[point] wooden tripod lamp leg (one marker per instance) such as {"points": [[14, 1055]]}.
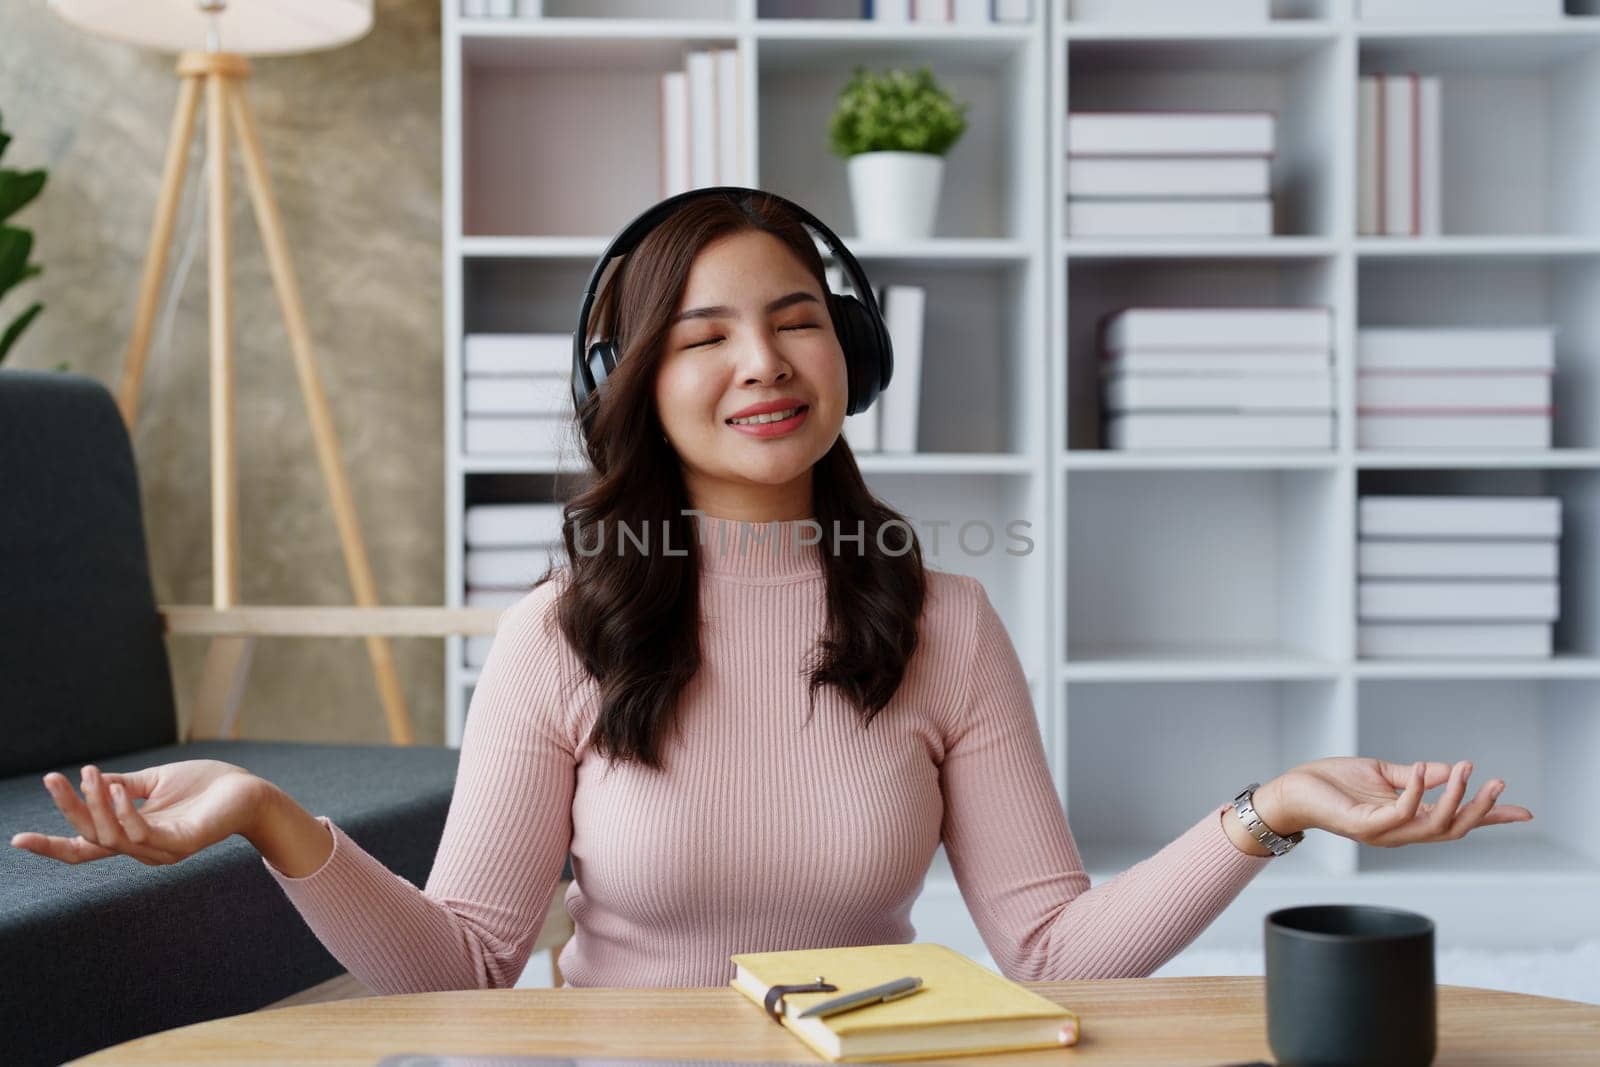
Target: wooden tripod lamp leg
{"points": [[327, 441], [224, 477], [155, 257]]}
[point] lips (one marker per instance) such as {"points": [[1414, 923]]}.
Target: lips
{"points": [[797, 409], [766, 407], [773, 429]]}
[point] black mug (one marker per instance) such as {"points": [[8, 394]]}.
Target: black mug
{"points": [[1350, 985]]}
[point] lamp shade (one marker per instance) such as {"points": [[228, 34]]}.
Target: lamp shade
{"points": [[244, 27]]}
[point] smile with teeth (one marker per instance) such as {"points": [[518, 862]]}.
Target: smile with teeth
{"points": [[772, 416]]}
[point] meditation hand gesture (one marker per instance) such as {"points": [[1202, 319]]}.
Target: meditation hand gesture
{"points": [[188, 806], [1356, 797]]}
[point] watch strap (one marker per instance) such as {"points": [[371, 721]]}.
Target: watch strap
{"points": [[1244, 807]]}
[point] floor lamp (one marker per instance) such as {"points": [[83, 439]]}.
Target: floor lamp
{"points": [[228, 35]]}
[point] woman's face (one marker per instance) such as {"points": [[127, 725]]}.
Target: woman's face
{"points": [[752, 331]]}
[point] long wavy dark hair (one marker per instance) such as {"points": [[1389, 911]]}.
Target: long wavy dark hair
{"points": [[633, 617]]}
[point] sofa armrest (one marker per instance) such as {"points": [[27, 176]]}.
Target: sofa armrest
{"points": [[326, 621]]}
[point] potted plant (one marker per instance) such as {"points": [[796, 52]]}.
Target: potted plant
{"points": [[893, 129], [16, 189]]}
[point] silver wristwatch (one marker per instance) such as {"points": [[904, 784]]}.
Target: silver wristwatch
{"points": [[1258, 829]]}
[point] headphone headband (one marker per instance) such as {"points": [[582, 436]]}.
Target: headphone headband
{"points": [[631, 235]]}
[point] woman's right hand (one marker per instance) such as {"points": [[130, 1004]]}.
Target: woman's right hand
{"points": [[188, 806]]}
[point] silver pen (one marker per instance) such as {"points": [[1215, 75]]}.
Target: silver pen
{"points": [[894, 990]]}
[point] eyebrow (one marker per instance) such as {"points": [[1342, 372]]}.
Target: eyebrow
{"points": [[722, 310]]}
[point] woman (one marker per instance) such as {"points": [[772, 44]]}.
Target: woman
{"points": [[746, 742]]}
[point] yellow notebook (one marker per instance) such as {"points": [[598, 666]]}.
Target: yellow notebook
{"points": [[962, 1007]]}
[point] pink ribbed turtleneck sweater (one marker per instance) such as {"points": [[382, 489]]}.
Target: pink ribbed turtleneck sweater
{"points": [[763, 831]]}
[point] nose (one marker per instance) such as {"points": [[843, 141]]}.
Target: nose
{"points": [[764, 362]]}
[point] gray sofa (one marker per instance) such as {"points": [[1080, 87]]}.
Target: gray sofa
{"points": [[103, 952]]}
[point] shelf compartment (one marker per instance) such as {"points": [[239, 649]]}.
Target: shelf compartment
{"points": [[991, 175], [1096, 288], [1292, 76], [1216, 738], [1560, 292], [597, 98], [1577, 630], [1540, 736], [1518, 130], [507, 295], [1222, 564], [980, 358]]}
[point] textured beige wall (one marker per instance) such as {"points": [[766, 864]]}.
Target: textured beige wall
{"points": [[353, 143]]}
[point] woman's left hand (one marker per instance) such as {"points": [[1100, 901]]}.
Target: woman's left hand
{"points": [[1355, 797]]}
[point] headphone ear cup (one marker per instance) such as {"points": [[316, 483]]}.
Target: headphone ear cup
{"points": [[602, 360], [859, 340]]}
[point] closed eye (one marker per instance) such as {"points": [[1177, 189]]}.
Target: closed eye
{"points": [[714, 340]]}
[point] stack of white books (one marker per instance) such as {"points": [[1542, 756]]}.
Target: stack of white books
{"points": [[1399, 156], [508, 547], [1457, 576], [1171, 11], [1170, 174], [1454, 388], [1247, 378], [517, 394], [1460, 9], [890, 424], [702, 124]]}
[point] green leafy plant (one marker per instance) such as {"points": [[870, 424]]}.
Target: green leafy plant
{"points": [[16, 189], [896, 111]]}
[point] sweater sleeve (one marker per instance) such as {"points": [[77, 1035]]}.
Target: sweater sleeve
{"points": [[1018, 867], [505, 839]]}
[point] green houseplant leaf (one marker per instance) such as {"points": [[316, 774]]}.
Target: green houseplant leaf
{"points": [[14, 331], [17, 189], [896, 111]]}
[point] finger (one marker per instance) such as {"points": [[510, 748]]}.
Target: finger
{"points": [[1476, 811], [1444, 814], [107, 831], [71, 806], [138, 784], [1405, 806], [1435, 818], [137, 830], [1399, 774], [65, 849], [1504, 813]]}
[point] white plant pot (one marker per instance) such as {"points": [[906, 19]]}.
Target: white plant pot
{"points": [[895, 194]]}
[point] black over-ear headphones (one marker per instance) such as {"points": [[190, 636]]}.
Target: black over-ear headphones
{"points": [[863, 336]]}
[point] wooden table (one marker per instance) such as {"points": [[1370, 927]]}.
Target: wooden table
{"points": [[1166, 1021]]}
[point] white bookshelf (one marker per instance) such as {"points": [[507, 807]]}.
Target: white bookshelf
{"points": [[1187, 619]]}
